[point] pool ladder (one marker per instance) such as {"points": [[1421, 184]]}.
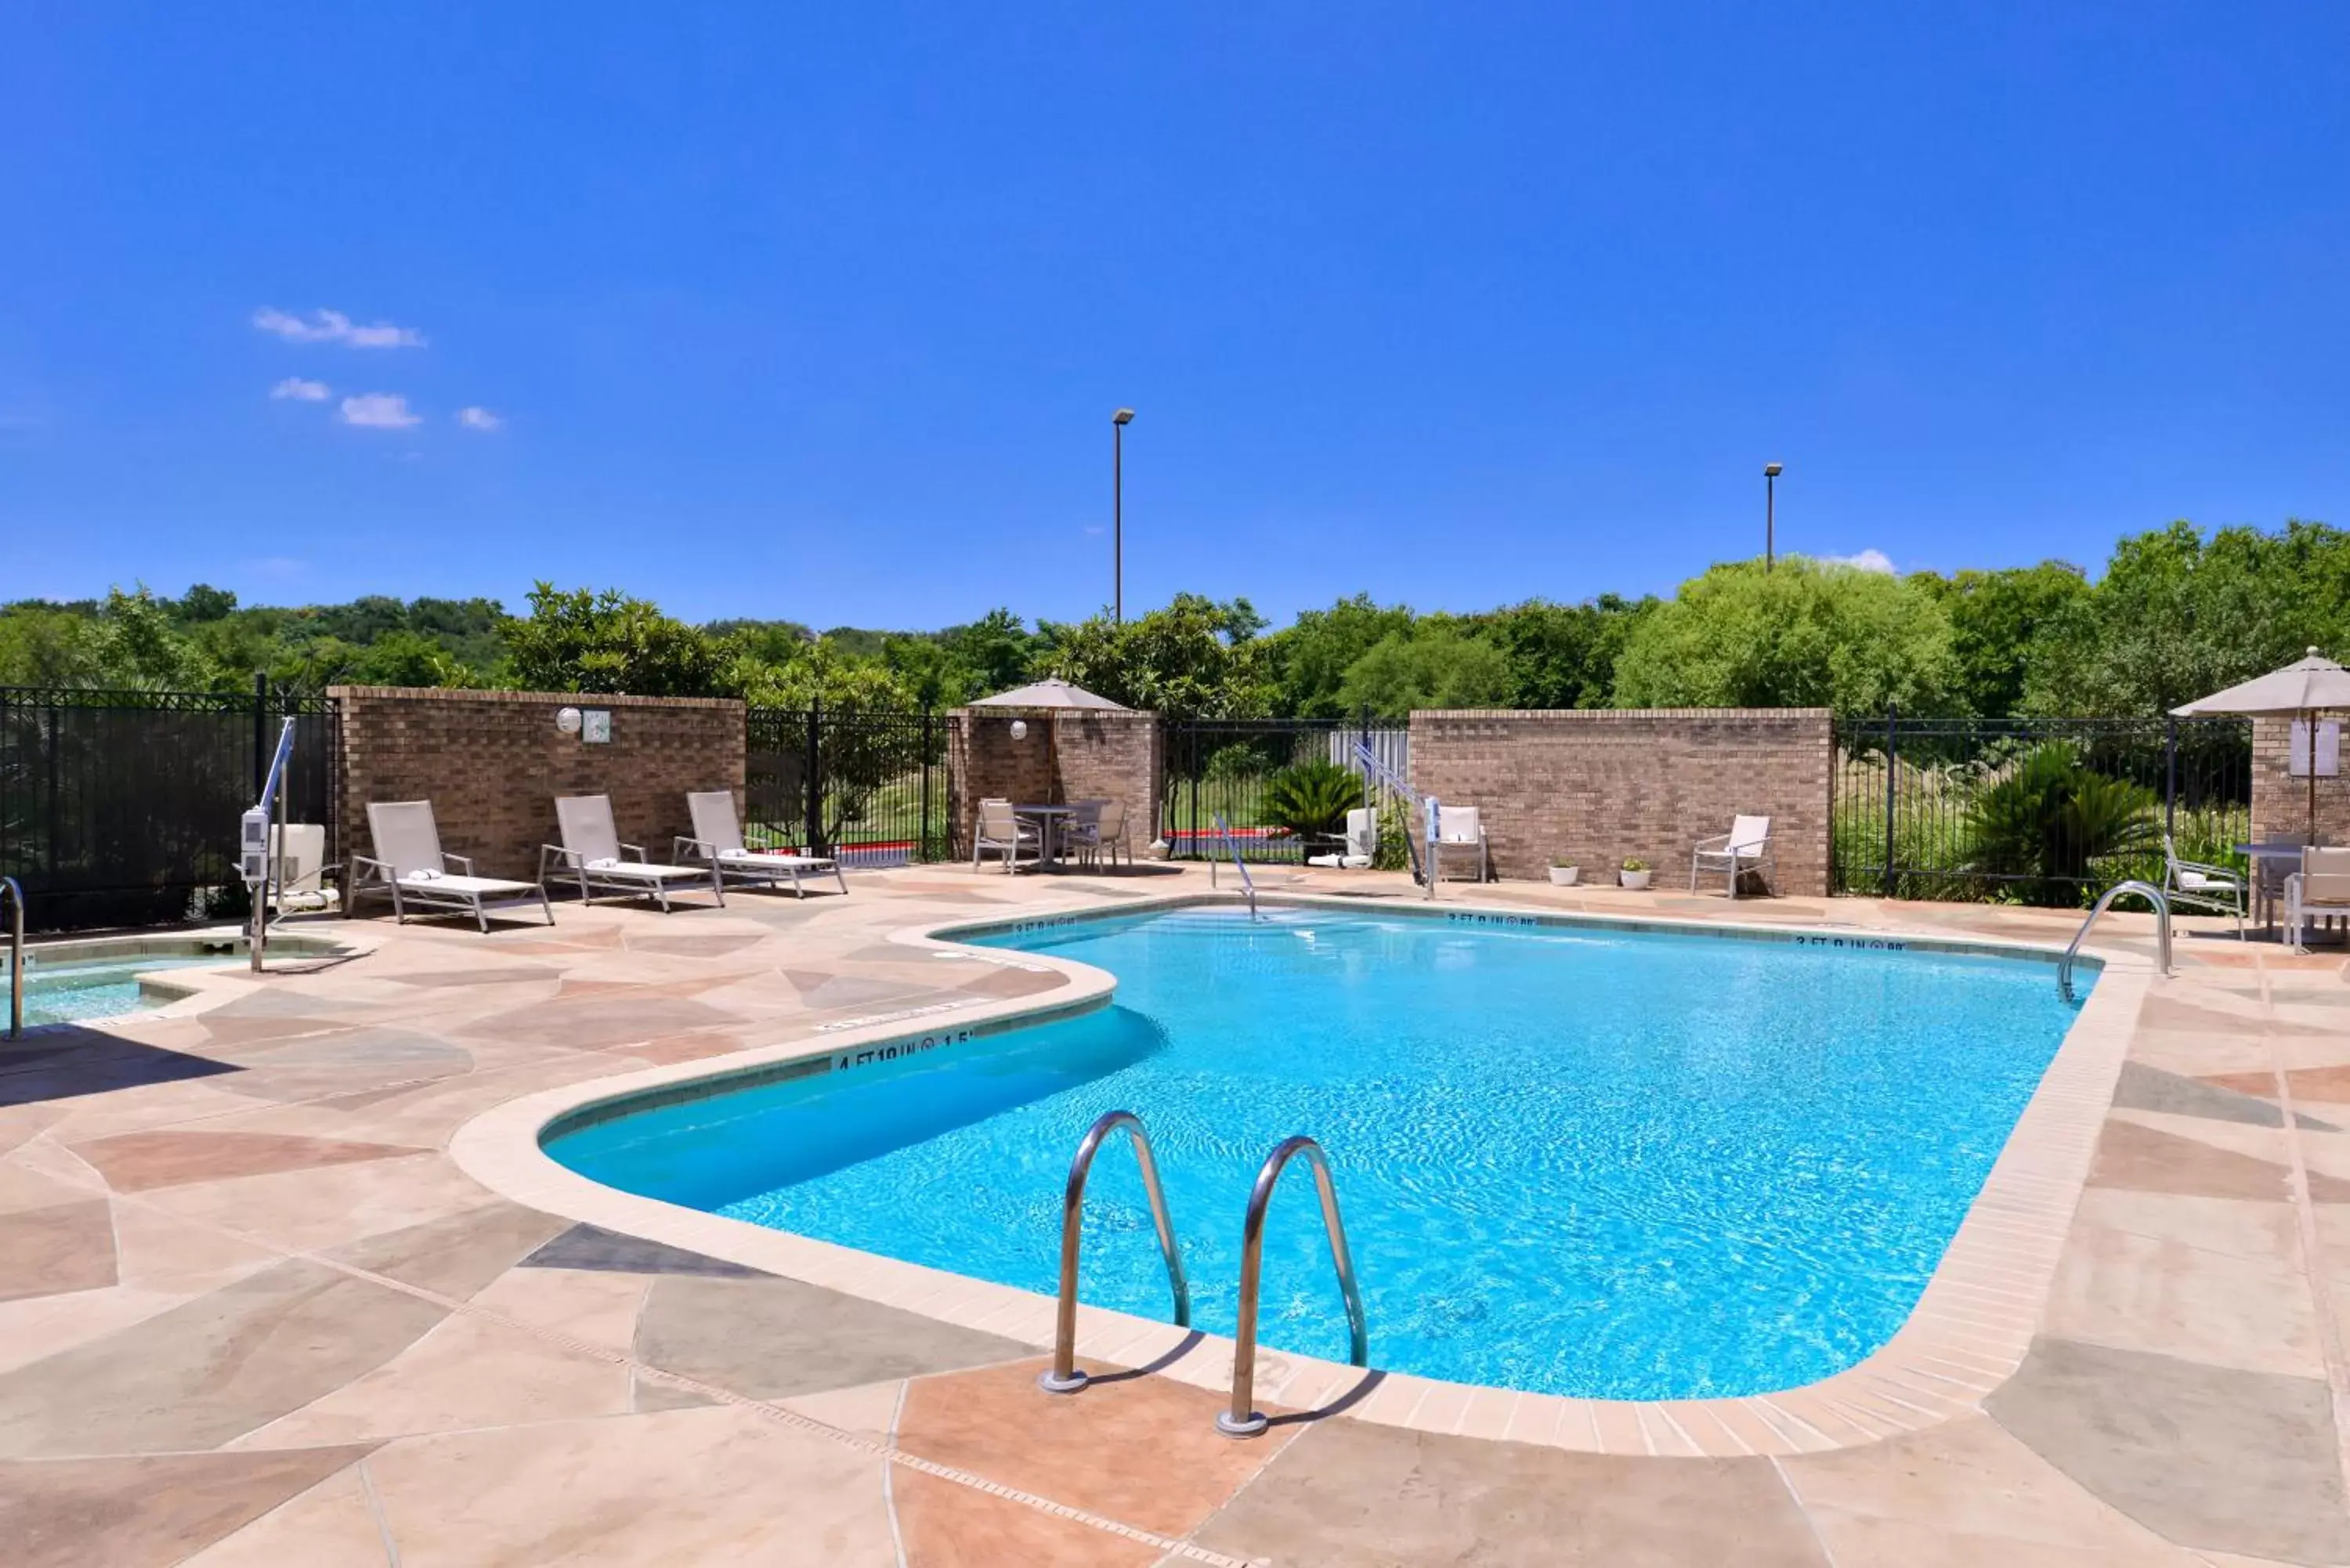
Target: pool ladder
{"points": [[1248, 883], [2147, 890], [1242, 1419], [14, 895]]}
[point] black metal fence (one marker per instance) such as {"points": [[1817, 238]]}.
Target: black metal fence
{"points": [[869, 786], [1226, 766], [2033, 811], [120, 808]]}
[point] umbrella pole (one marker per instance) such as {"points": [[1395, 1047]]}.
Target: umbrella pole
{"points": [[2308, 727]]}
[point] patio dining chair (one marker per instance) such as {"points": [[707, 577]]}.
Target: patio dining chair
{"points": [[1081, 833], [1744, 849], [592, 854], [2320, 890], [717, 842], [2186, 882], [999, 830]]}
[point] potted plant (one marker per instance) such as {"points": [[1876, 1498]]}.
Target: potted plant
{"points": [[1562, 871], [1634, 874]]}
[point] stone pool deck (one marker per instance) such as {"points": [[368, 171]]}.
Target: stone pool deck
{"points": [[252, 1311]]}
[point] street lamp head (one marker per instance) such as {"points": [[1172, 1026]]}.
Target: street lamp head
{"points": [[1772, 470], [1123, 416]]}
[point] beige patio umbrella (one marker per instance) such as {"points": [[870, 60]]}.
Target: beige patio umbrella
{"points": [[2302, 690], [1055, 692]]}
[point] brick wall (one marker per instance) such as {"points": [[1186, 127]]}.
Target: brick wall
{"points": [[1598, 785], [492, 763], [1067, 754], [2281, 800]]}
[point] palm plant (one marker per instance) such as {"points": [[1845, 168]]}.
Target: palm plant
{"points": [[2044, 824], [1311, 799]]}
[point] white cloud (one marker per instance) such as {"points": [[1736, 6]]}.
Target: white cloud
{"points": [[479, 419], [1864, 561], [380, 412], [300, 390], [334, 326]]}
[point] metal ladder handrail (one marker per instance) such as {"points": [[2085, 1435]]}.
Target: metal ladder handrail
{"points": [[1063, 1377], [1248, 883], [2147, 890], [1368, 761], [1243, 1420], [15, 898]]}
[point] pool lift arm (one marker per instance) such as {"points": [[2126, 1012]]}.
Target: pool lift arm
{"points": [[1426, 806], [255, 865]]}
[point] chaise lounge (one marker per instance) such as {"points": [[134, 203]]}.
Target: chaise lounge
{"points": [[592, 854], [717, 842], [410, 867]]}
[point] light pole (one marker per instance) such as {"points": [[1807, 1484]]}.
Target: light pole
{"points": [[1771, 472], [1118, 424]]}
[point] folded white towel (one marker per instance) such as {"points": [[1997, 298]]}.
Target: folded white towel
{"points": [[424, 876], [602, 863]]}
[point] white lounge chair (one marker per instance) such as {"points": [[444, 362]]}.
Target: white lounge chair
{"points": [[1459, 827], [1362, 844], [717, 841], [411, 868], [1745, 847], [2201, 887], [2321, 887], [592, 854], [999, 830]]}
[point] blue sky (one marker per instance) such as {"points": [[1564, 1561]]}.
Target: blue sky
{"points": [[821, 312]]}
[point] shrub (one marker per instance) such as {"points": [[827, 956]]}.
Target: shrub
{"points": [[1312, 799], [2043, 825]]}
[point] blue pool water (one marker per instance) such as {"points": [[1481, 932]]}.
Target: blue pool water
{"points": [[1589, 1162], [70, 992]]}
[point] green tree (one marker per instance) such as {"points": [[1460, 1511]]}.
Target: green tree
{"points": [[2176, 617], [1804, 635], [1194, 659], [41, 645], [576, 641], [1996, 619], [1436, 665], [405, 658], [1563, 656], [1312, 655]]}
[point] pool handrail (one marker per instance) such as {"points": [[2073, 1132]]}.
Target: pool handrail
{"points": [[1248, 883], [1062, 1377], [2147, 890], [1243, 1420], [14, 895]]}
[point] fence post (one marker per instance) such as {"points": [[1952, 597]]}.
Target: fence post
{"points": [[814, 823], [1892, 773], [2169, 775], [923, 850], [260, 731]]}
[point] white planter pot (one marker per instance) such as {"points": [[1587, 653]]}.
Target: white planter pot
{"points": [[1564, 876], [1636, 880], [1160, 849]]}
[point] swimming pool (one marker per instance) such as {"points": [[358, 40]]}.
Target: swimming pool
{"points": [[98, 988], [1580, 1160]]}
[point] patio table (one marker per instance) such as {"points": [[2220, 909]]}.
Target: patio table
{"points": [[1047, 819]]}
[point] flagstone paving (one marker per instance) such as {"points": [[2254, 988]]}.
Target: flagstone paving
{"points": [[251, 1313]]}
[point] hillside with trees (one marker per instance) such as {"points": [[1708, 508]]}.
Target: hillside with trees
{"points": [[2175, 612]]}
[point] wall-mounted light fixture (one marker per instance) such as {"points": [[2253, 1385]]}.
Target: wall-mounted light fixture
{"points": [[1019, 729], [567, 720]]}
